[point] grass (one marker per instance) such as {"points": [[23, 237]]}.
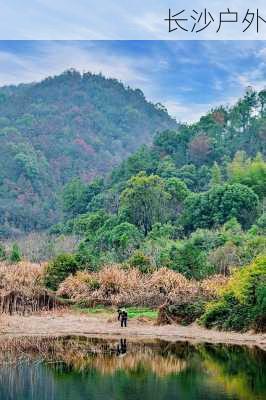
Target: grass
{"points": [[133, 312], [142, 312]]}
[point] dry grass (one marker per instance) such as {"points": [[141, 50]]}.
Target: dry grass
{"points": [[115, 286], [22, 277], [211, 287], [21, 288]]}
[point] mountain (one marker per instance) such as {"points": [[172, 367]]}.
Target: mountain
{"points": [[71, 125]]}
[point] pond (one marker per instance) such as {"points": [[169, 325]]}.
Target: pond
{"points": [[75, 368]]}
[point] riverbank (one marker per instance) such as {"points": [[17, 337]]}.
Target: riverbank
{"points": [[60, 323]]}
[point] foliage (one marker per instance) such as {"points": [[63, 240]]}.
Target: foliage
{"points": [[125, 238], [15, 255], [143, 201], [141, 261], [2, 252], [218, 205], [58, 269], [242, 304], [251, 173], [187, 259], [66, 129]]}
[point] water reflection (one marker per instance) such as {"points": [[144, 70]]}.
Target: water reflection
{"points": [[121, 348], [96, 369]]}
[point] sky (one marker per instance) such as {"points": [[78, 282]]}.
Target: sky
{"points": [[188, 77]]}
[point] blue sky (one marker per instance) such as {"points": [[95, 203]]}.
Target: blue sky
{"points": [[189, 77]]}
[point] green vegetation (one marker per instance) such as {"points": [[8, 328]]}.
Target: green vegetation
{"points": [[58, 269], [133, 312], [193, 201], [15, 255], [243, 302], [72, 126]]}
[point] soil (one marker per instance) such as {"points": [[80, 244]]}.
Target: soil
{"points": [[59, 323]]}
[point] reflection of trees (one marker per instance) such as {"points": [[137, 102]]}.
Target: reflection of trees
{"points": [[83, 354], [240, 371]]}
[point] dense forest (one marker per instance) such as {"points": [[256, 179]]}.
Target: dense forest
{"points": [[68, 126], [187, 211]]}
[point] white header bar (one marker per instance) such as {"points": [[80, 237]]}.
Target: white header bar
{"points": [[133, 19]]}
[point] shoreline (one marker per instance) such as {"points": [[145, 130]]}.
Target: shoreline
{"points": [[78, 324]]}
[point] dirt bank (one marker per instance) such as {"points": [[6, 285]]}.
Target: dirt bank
{"points": [[72, 323]]}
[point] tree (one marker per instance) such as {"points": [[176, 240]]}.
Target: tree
{"points": [[216, 178], [251, 173], [59, 269], [15, 255], [74, 198], [2, 252], [188, 259], [125, 238], [143, 201], [218, 205], [178, 191], [200, 149]]}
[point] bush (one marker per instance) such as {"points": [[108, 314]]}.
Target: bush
{"points": [[15, 255], [242, 304], [187, 259], [2, 252], [141, 261], [58, 270], [183, 313]]}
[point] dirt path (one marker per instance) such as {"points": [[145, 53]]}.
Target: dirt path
{"points": [[71, 323]]}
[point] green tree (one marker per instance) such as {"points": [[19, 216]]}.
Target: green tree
{"points": [[216, 178], [143, 201], [188, 259], [125, 238], [2, 252], [59, 269], [218, 205], [251, 173], [15, 255], [74, 199]]}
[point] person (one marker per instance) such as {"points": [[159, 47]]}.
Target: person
{"points": [[123, 318], [119, 311]]}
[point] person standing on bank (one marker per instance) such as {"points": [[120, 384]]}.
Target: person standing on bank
{"points": [[123, 318]]}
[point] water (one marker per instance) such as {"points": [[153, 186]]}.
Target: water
{"points": [[95, 369]]}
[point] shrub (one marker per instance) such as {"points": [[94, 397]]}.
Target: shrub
{"points": [[58, 269], [187, 259], [15, 255], [2, 252], [184, 313], [242, 304], [140, 261]]}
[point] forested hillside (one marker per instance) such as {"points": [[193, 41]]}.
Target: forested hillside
{"points": [[67, 126]]}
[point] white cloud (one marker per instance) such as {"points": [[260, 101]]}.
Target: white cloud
{"points": [[55, 57], [192, 112]]}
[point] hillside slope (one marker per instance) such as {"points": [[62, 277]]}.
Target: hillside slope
{"points": [[66, 126]]}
